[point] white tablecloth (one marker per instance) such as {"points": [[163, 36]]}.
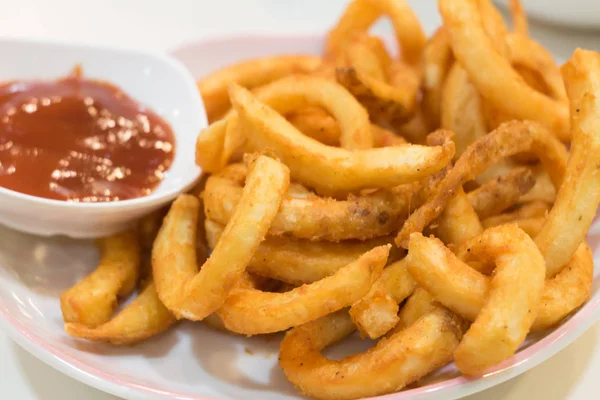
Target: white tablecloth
{"points": [[164, 24]]}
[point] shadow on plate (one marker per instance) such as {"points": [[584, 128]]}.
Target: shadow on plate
{"points": [[240, 361], [46, 266], [153, 348]]}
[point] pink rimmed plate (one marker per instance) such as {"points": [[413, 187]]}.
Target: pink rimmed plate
{"points": [[192, 361]]}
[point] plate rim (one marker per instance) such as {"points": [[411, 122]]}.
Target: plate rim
{"points": [[571, 329], [453, 388]]}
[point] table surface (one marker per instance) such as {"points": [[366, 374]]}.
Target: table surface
{"points": [[163, 25]]}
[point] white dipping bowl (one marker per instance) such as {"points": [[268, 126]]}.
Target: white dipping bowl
{"points": [[154, 80]]}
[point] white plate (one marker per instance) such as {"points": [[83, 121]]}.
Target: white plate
{"points": [[192, 361]]}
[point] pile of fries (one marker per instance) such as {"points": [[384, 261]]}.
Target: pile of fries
{"points": [[427, 200]]}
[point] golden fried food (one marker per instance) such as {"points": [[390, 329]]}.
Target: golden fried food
{"points": [[493, 74], [470, 150], [505, 191], [461, 109], [464, 290], [418, 304], [361, 14], [144, 317], [567, 290], [250, 74], [510, 138], [492, 23], [251, 311], [194, 294], [437, 61], [528, 55], [222, 139], [313, 217], [214, 322], [148, 228], [377, 312], [93, 300], [417, 128], [542, 190], [512, 300], [393, 363], [332, 170], [529, 216], [318, 124], [537, 68], [519, 17], [297, 261], [459, 221], [388, 89], [578, 197]]}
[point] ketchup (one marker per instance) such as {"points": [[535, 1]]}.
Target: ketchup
{"points": [[80, 140]]}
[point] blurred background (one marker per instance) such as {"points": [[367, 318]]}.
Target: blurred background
{"points": [[167, 25], [162, 24]]}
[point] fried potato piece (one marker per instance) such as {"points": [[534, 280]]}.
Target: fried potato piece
{"points": [[294, 92], [145, 317], [316, 123], [464, 290], [377, 312], [418, 304], [93, 300], [319, 125], [392, 364], [383, 137], [526, 54], [387, 89], [498, 195], [416, 129], [251, 311], [361, 14], [567, 290], [542, 190], [461, 109], [578, 198], [450, 281], [437, 61], [313, 217], [510, 138], [493, 74], [148, 228], [459, 221], [530, 217], [194, 294], [532, 226], [297, 261], [497, 170], [537, 68], [332, 170], [493, 24], [221, 140], [250, 74], [214, 322], [512, 300], [518, 17]]}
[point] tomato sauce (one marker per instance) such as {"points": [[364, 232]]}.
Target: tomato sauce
{"points": [[80, 140]]}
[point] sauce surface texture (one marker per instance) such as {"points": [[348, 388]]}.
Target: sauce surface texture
{"points": [[80, 140]]}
